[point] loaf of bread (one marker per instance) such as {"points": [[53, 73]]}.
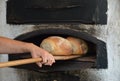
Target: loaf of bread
{"points": [[79, 46], [57, 45]]}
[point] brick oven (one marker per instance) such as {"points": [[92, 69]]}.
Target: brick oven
{"points": [[95, 58], [60, 11]]}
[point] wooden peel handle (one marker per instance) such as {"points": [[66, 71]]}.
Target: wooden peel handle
{"points": [[20, 62], [34, 60]]}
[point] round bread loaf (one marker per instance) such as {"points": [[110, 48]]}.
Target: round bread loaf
{"points": [[79, 46], [57, 45]]}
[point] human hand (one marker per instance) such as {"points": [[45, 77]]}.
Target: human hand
{"points": [[36, 52]]}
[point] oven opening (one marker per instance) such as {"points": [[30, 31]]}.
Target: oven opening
{"points": [[94, 58]]}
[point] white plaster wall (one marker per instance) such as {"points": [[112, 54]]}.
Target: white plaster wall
{"points": [[108, 33]]}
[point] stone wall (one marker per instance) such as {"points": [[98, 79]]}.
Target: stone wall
{"points": [[108, 33]]}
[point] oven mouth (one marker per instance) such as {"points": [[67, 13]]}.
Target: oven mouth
{"points": [[94, 58]]}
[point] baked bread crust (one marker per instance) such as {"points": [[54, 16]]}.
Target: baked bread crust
{"points": [[79, 46], [57, 45]]}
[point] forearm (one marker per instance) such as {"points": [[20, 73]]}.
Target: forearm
{"points": [[12, 46], [9, 46]]}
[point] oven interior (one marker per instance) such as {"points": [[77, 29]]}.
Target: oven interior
{"points": [[94, 58]]}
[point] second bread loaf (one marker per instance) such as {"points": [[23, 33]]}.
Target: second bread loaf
{"points": [[79, 46]]}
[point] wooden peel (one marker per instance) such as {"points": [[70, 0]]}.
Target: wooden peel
{"points": [[34, 60]]}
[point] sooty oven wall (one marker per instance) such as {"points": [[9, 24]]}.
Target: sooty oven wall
{"points": [[106, 33], [67, 11], [14, 31], [56, 11]]}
